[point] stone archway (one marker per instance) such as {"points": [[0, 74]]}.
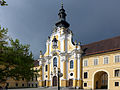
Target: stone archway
{"points": [[54, 81], [101, 80]]}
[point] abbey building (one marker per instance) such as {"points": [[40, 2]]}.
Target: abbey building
{"points": [[91, 66]]}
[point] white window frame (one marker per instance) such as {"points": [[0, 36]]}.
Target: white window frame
{"points": [[115, 58], [94, 61], [85, 63], [104, 62]]}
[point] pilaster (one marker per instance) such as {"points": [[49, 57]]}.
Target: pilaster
{"points": [[75, 70], [43, 74], [40, 79], [78, 71]]}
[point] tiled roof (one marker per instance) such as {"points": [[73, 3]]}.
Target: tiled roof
{"points": [[102, 46]]}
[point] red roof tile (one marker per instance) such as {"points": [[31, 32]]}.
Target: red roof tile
{"points": [[102, 46]]}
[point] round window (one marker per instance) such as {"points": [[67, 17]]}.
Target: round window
{"points": [[71, 74]]}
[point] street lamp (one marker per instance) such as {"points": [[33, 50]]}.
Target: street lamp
{"points": [[59, 75]]}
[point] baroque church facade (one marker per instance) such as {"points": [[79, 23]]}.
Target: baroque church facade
{"points": [[61, 54], [91, 66]]}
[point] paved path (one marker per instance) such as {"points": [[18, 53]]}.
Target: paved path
{"points": [[49, 89]]}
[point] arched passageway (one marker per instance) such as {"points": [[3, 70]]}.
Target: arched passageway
{"points": [[101, 80]]}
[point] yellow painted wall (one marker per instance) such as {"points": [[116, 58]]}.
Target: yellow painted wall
{"points": [[91, 69]]}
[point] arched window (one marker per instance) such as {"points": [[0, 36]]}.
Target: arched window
{"points": [[55, 62], [46, 67], [71, 64]]}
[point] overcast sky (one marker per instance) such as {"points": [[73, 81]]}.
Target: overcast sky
{"points": [[32, 21]]}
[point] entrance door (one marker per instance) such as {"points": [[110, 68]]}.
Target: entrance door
{"points": [[45, 83], [70, 82], [55, 81]]}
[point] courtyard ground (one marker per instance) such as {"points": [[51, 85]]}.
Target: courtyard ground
{"points": [[49, 89]]}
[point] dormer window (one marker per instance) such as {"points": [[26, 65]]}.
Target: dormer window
{"points": [[54, 42]]}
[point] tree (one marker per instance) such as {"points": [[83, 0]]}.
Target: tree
{"points": [[16, 60], [3, 37], [3, 3]]}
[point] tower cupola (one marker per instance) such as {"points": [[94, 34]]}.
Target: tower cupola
{"points": [[62, 18]]}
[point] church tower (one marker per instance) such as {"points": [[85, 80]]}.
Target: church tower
{"points": [[61, 54]]}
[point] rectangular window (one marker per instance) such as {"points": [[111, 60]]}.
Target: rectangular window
{"points": [[32, 78], [32, 85], [36, 85], [105, 60], [22, 85], [36, 77], [7, 84], [85, 84], [116, 83], [16, 84], [95, 61], [85, 75], [29, 85], [117, 73], [85, 63], [117, 58], [23, 79]]}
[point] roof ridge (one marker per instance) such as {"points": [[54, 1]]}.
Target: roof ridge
{"points": [[101, 40]]}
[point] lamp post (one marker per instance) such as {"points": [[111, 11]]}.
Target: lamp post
{"points": [[58, 80], [59, 75]]}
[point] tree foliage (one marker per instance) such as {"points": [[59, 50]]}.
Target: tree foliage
{"points": [[3, 3], [15, 59]]}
